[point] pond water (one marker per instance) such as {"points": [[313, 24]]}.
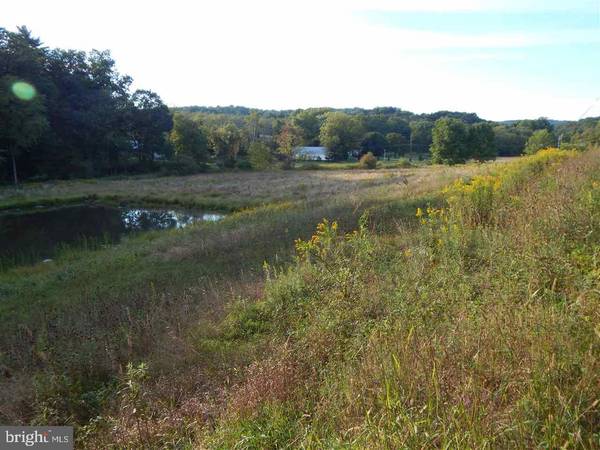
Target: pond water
{"points": [[35, 235]]}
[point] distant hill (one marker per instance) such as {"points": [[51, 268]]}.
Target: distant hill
{"points": [[233, 110], [553, 122]]}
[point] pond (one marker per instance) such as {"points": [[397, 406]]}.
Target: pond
{"points": [[36, 235]]}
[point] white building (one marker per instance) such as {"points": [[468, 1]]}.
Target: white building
{"points": [[310, 153]]}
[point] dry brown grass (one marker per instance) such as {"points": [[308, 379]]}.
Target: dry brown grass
{"points": [[236, 189]]}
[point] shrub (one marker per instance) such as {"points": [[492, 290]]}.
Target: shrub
{"points": [[538, 140], [368, 161], [243, 164], [260, 156], [182, 165], [400, 163]]}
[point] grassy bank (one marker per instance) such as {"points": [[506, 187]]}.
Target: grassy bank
{"points": [[69, 327], [471, 323], [476, 329], [452, 318]]}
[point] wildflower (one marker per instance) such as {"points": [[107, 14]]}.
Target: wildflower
{"points": [[419, 212]]}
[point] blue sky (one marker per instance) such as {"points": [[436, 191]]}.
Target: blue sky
{"points": [[502, 59]]}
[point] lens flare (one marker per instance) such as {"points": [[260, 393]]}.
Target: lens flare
{"points": [[23, 90]]}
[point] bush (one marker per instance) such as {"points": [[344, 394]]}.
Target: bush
{"points": [[183, 165], [538, 140], [309, 166], [400, 163], [368, 161], [260, 156], [243, 164]]}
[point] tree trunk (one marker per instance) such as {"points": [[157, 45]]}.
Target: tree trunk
{"points": [[14, 168]]}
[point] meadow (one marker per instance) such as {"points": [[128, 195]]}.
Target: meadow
{"points": [[71, 325], [432, 307], [227, 191]]}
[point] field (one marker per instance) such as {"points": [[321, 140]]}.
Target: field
{"points": [[225, 191], [452, 318], [122, 301]]}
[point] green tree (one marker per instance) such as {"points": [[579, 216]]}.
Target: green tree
{"points": [[373, 142], [188, 138], [541, 123], [481, 142], [226, 142], [260, 156], [398, 125], [591, 134], [309, 121], [152, 121], [22, 119], [421, 135], [340, 133], [450, 141], [538, 140], [252, 122], [288, 139], [397, 143], [509, 140]]}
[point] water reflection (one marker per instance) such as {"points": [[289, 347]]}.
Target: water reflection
{"points": [[34, 236], [144, 219]]}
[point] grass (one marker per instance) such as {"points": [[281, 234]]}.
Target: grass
{"points": [[463, 319], [69, 327], [401, 163], [224, 191], [476, 329]]}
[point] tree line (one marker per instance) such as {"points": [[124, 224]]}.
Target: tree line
{"points": [[68, 113]]}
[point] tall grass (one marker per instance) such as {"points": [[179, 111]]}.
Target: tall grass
{"points": [[477, 329], [462, 320], [69, 328]]}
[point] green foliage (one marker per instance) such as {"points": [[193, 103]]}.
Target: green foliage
{"points": [[288, 139], [510, 140], [188, 138], [309, 122], [226, 142], [368, 161], [450, 141], [135, 402], [22, 121], [466, 333], [541, 123], [95, 123], [340, 133], [260, 156], [590, 135], [396, 143], [481, 142], [540, 139], [375, 143], [151, 122], [421, 135]]}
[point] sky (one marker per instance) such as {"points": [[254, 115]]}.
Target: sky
{"points": [[502, 59]]}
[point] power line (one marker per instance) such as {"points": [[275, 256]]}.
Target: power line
{"points": [[589, 108]]}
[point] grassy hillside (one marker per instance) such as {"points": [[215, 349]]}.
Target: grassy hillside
{"points": [[464, 317], [68, 328], [479, 328]]}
